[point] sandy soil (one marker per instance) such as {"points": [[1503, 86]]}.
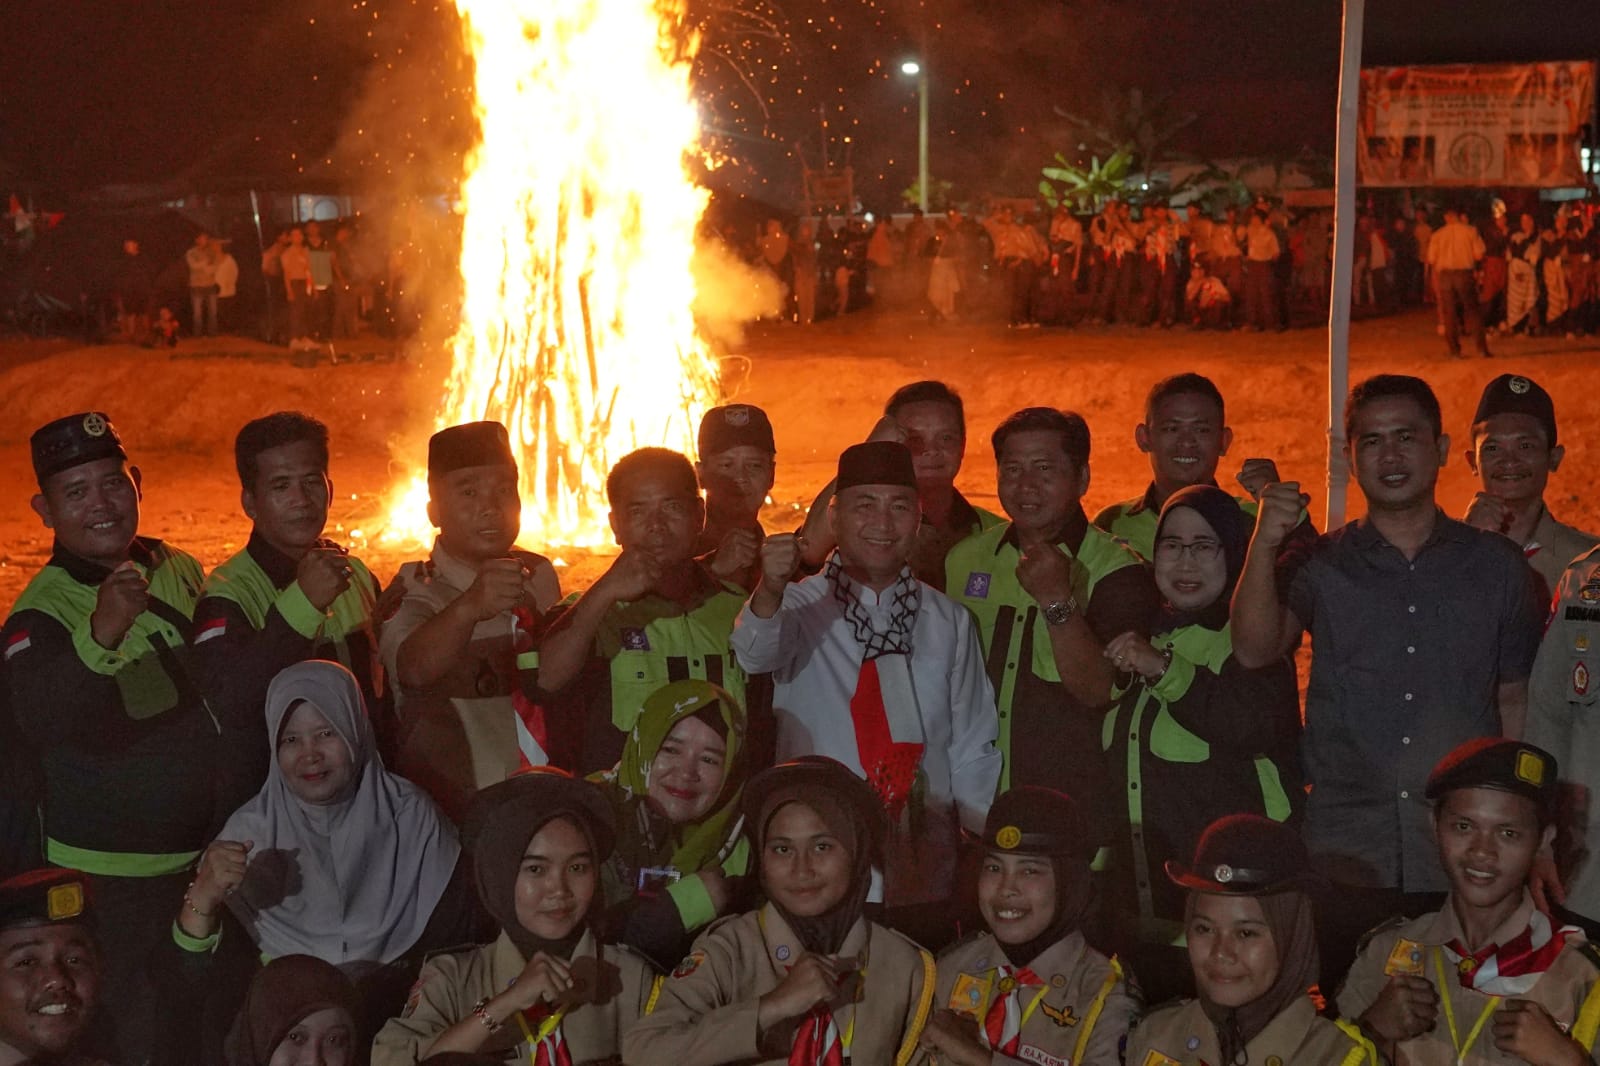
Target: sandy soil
{"points": [[823, 388]]}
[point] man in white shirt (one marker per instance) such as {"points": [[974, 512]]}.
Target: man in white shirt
{"points": [[883, 673]]}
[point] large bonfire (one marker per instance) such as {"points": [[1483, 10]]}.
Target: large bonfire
{"points": [[576, 327]]}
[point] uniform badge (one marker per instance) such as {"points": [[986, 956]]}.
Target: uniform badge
{"points": [[783, 953], [690, 964], [1580, 642], [1223, 873], [1530, 767], [1519, 385], [1590, 593], [737, 415], [64, 901], [1404, 958], [634, 639], [1156, 1058], [1008, 985], [1192, 1044], [1029, 1053], [1008, 837], [20, 642], [413, 999], [977, 586], [1062, 1016], [1058, 981], [94, 425], [1274, 1060], [970, 996], [1580, 678]]}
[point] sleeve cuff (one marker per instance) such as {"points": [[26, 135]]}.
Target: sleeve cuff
{"points": [[302, 617], [693, 902], [104, 661], [1176, 681], [195, 945]]}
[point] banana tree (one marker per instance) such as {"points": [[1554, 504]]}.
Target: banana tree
{"points": [[1086, 188]]}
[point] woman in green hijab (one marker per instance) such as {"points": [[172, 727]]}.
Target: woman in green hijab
{"points": [[681, 855]]}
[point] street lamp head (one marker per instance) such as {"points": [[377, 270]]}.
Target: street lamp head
{"points": [[911, 66]]}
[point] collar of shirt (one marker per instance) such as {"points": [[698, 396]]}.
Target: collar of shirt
{"points": [[1446, 927], [453, 571], [81, 570], [1365, 535], [279, 568], [963, 517], [784, 948], [1152, 500], [1070, 535]]}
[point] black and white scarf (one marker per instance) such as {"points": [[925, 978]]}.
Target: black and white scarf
{"points": [[896, 639]]}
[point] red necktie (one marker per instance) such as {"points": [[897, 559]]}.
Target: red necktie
{"points": [[890, 768], [552, 1050], [816, 1042]]}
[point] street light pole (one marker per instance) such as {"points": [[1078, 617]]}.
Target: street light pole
{"points": [[913, 67]]}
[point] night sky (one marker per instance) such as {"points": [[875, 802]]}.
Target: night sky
{"points": [[204, 92]]}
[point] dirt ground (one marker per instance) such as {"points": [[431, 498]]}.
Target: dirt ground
{"points": [[823, 387]]}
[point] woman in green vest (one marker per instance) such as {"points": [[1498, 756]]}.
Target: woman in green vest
{"points": [[1193, 735], [681, 854]]}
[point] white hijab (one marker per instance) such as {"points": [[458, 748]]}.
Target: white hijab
{"points": [[355, 880]]}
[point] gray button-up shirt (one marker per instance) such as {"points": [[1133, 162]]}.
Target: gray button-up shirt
{"points": [[1406, 660]]}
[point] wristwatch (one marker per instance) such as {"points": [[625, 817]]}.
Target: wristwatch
{"points": [[1059, 612]]}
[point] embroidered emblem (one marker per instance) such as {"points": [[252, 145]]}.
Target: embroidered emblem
{"points": [[1580, 677], [978, 586], [1274, 1060], [1058, 980], [1581, 642], [690, 964], [634, 639], [1008, 985], [1590, 592], [1156, 1058], [970, 995], [1008, 837], [94, 425], [64, 901], [1192, 1044], [737, 415], [1530, 767], [782, 954], [1062, 1016], [1518, 385], [1404, 958], [19, 642], [1029, 1053]]}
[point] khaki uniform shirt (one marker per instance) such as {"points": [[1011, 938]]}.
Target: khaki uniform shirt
{"points": [[452, 983], [1182, 1035], [1561, 989], [1554, 546], [706, 1014], [1564, 719], [1084, 1009], [459, 734]]}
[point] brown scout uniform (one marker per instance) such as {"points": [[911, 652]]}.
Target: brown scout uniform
{"points": [[1084, 1011], [1554, 547], [706, 1014], [1567, 989], [1182, 1034], [451, 983], [459, 734]]}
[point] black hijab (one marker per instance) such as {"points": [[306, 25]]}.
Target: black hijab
{"points": [[1288, 916], [825, 933], [1232, 528], [1073, 889]]}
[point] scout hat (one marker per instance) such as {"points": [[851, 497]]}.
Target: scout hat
{"points": [[472, 444], [1510, 394], [1499, 763], [72, 441], [44, 897], [878, 462], [735, 424], [1029, 820], [1245, 855]]}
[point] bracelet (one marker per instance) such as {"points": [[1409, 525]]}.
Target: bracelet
{"points": [[187, 902], [480, 1011], [1166, 664]]}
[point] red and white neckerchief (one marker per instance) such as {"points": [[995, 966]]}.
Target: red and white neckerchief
{"points": [[1002, 1026], [817, 1041], [533, 734], [1512, 968]]}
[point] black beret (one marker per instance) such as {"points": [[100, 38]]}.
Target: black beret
{"points": [[1245, 855], [43, 897], [72, 441], [1499, 763], [1030, 820], [737, 423], [472, 444], [878, 462], [1510, 394]]}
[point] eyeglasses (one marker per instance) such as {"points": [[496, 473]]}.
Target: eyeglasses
{"points": [[1171, 549]]}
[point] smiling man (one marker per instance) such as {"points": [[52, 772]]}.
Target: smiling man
{"points": [[876, 669], [49, 968], [290, 595], [465, 615], [1514, 451], [95, 657], [738, 461], [657, 615], [1423, 632]]}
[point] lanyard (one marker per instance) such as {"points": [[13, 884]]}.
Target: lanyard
{"points": [[1450, 1013], [537, 1037], [1032, 1006]]}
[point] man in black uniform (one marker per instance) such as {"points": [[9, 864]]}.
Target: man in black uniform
{"points": [[49, 968], [736, 468], [95, 656], [288, 596]]}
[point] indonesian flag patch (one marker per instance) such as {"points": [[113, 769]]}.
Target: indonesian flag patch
{"points": [[20, 641], [209, 630]]}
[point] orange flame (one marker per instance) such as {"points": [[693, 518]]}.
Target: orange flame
{"points": [[576, 326]]}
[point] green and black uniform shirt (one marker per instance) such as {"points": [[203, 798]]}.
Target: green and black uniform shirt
{"points": [[1210, 738], [1134, 522], [931, 550], [127, 743], [1047, 737], [253, 621], [640, 646]]}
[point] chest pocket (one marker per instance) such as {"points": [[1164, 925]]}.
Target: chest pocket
{"points": [[1170, 742]]}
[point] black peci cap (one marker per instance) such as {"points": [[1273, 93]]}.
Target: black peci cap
{"points": [[735, 424], [72, 441], [1029, 820], [46, 896], [878, 462], [1245, 855], [1511, 394], [472, 444], [1498, 763]]}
